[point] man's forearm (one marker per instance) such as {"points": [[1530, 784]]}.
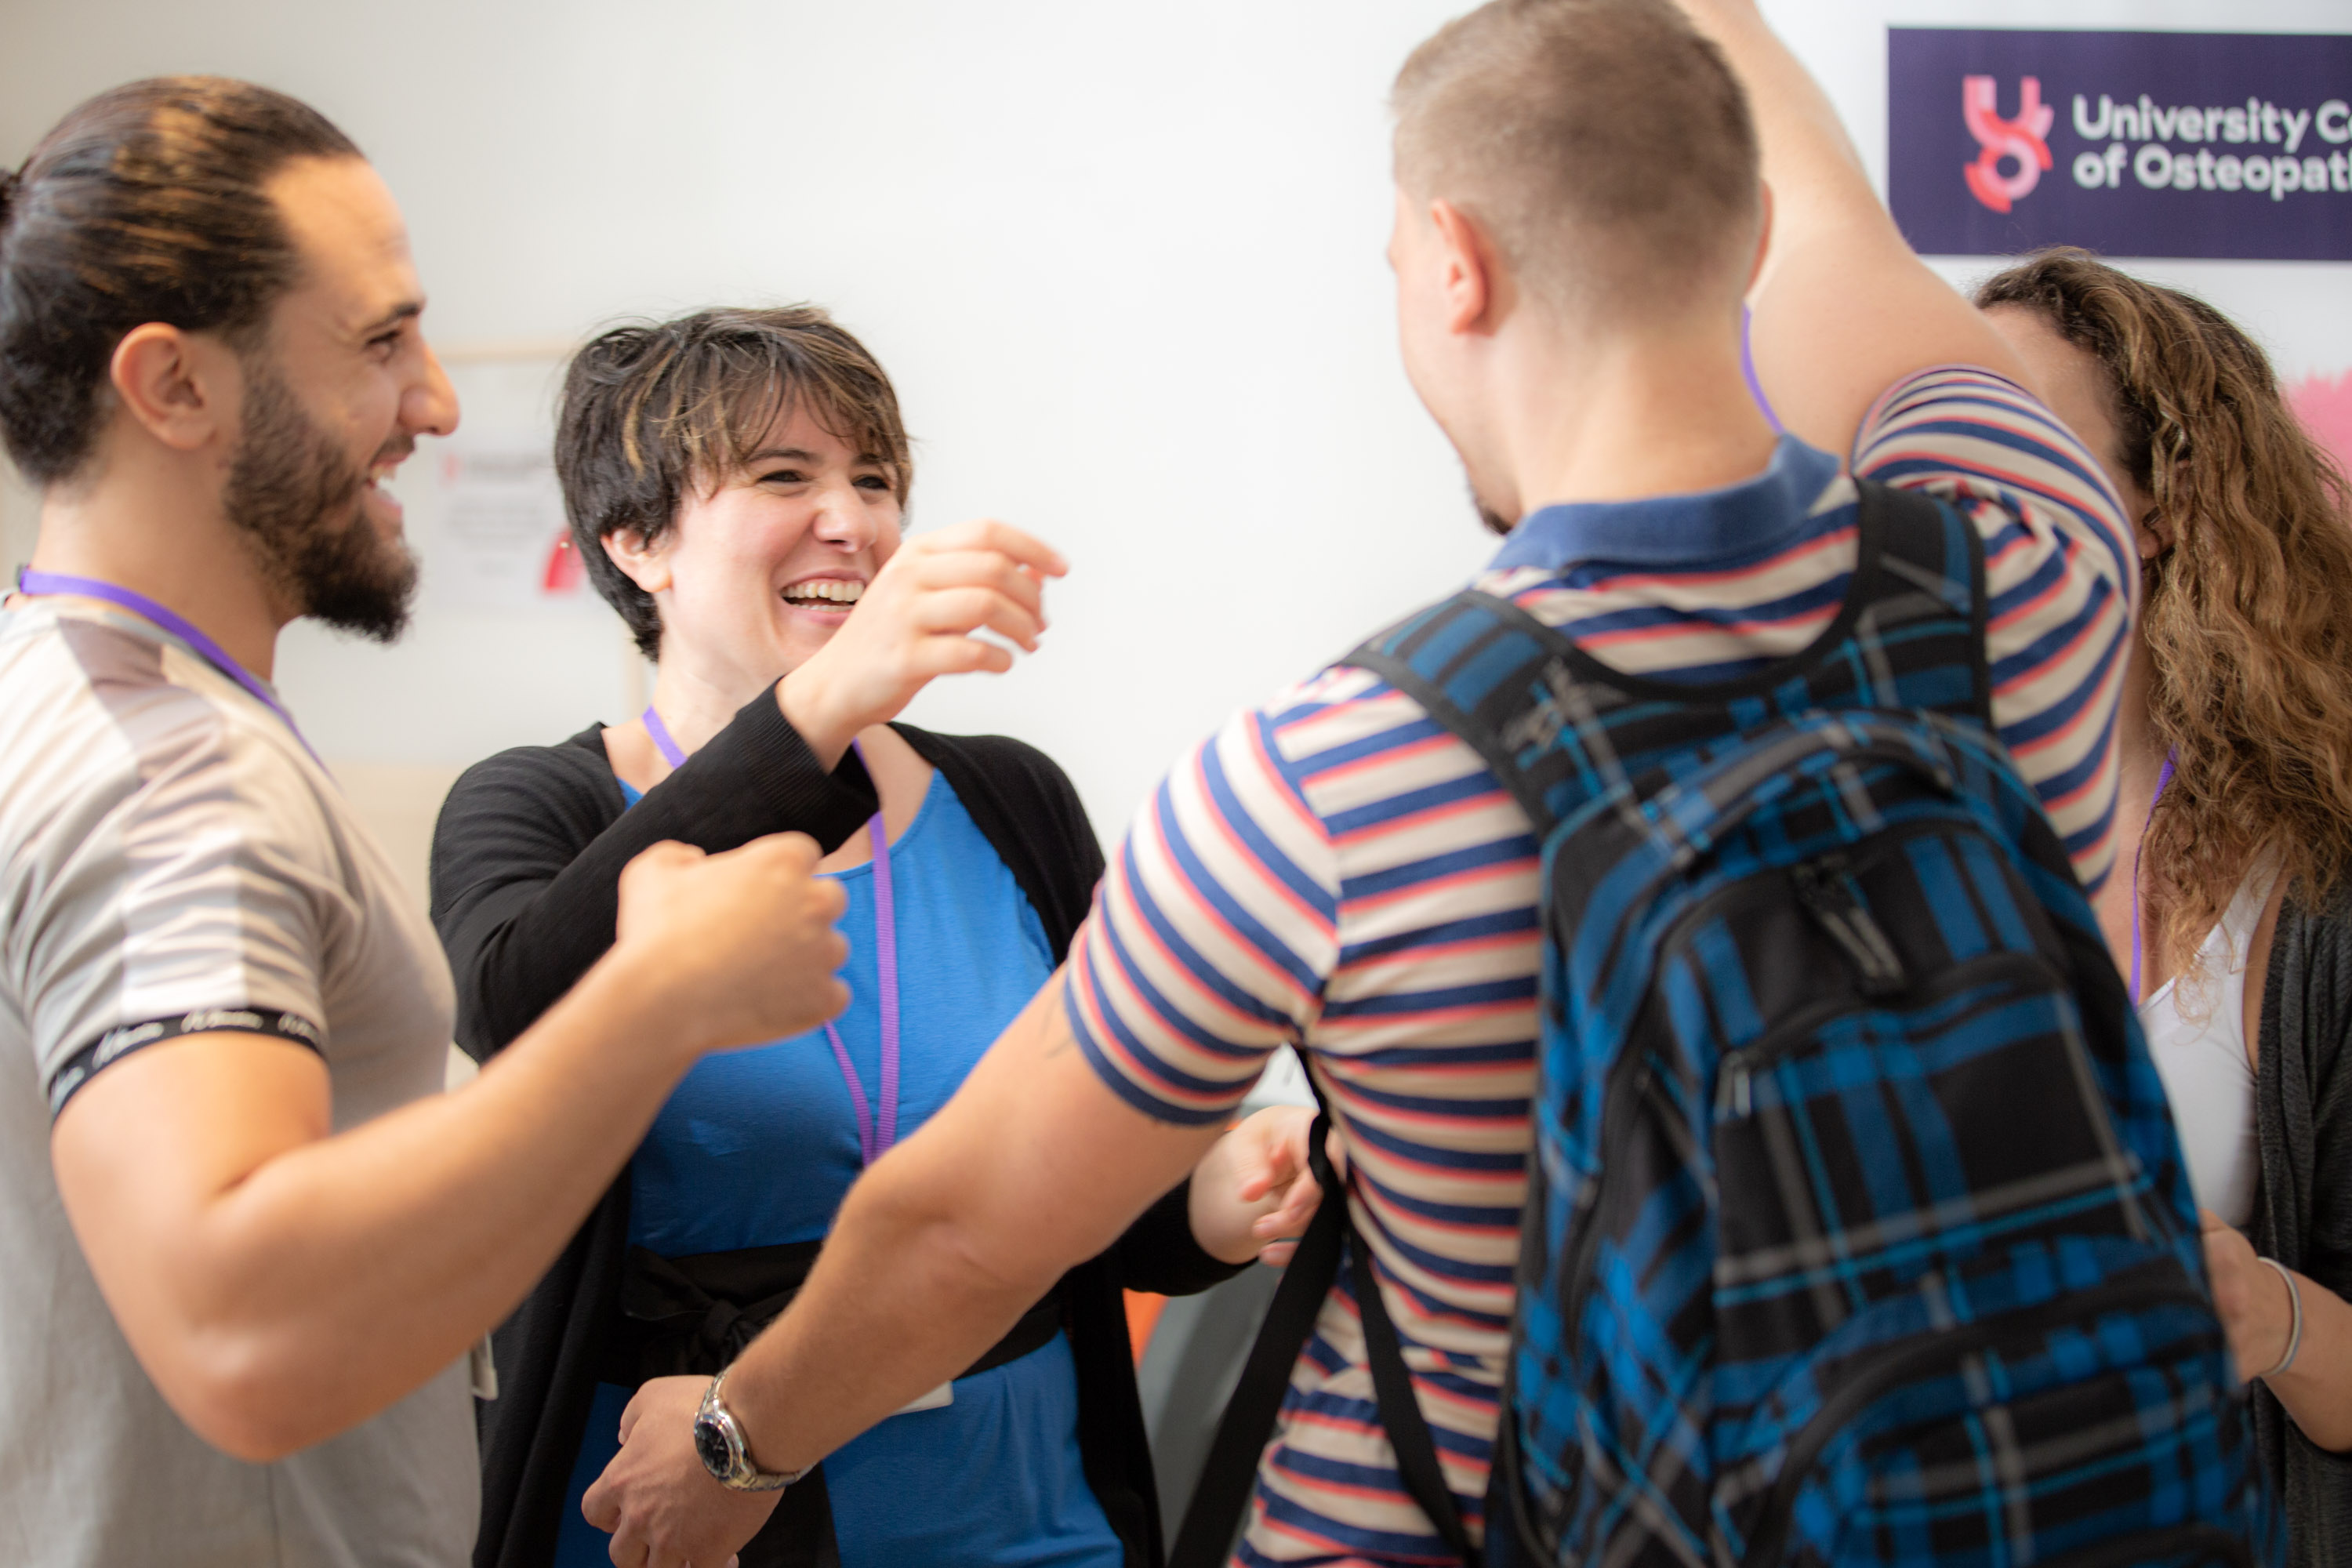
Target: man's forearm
{"points": [[1817, 177], [1032, 1167], [1843, 308], [341, 1274], [898, 1303]]}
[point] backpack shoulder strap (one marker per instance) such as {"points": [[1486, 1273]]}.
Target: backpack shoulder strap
{"points": [[1924, 608], [1229, 1474], [1229, 1471], [1497, 677], [1510, 686]]}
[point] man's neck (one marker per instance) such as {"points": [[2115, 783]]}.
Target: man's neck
{"points": [[1629, 418], [140, 531]]}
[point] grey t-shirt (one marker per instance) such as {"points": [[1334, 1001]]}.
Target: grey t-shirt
{"points": [[171, 860]]}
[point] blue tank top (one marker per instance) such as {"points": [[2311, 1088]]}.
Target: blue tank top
{"points": [[758, 1147]]}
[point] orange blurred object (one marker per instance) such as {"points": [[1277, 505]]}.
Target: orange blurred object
{"points": [[1142, 1315]]}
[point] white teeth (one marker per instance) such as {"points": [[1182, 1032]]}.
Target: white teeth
{"points": [[833, 589]]}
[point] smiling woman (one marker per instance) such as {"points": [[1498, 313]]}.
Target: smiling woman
{"points": [[735, 481], [655, 416]]}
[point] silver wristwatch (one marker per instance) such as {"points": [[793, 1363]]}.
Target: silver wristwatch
{"points": [[719, 1441]]}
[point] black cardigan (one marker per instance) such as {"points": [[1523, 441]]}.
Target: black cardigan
{"points": [[526, 865], [2303, 1208]]}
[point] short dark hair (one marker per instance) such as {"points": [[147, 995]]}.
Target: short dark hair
{"points": [[1605, 146], [655, 410], [146, 203]]}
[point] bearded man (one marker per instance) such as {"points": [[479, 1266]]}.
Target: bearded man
{"points": [[244, 1244]]}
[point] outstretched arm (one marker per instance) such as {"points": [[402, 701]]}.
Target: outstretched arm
{"points": [[526, 857], [280, 1282], [1844, 310], [1844, 314], [1034, 1166]]}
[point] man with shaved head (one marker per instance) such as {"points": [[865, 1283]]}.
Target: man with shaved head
{"points": [[1581, 211]]}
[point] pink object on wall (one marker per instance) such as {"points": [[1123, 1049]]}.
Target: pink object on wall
{"points": [[2324, 407], [562, 572]]}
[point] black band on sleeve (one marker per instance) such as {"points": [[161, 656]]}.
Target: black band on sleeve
{"points": [[124, 1039]]}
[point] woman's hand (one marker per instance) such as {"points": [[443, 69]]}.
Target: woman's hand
{"points": [[2250, 1298], [2259, 1318], [1253, 1191], [915, 622]]}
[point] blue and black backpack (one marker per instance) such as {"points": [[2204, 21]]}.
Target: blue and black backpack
{"points": [[1856, 1229]]}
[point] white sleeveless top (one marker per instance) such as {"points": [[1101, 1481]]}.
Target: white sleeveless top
{"points": [[2201, 1055]]}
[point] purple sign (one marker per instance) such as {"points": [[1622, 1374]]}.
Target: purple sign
{"points": [[2230, 145]]}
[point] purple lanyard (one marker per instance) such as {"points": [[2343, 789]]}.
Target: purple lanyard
{"points": [[39, 583], [2163, 777], [1748, 369], [872, 1143]]}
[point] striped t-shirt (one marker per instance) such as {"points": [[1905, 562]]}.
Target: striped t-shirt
{"points": [[1334, 870], [174, 862]]}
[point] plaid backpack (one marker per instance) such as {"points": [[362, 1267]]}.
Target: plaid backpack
{"points": [[1856, 1230]]}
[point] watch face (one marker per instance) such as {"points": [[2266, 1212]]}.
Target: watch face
{"points": [[710, 1443]]}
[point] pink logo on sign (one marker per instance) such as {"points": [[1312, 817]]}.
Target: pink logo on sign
{"points": [[2021, 139]]}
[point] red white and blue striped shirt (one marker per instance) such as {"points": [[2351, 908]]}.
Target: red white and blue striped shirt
{"points": [[1334, 872]]}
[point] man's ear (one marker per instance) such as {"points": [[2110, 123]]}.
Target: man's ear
{"points": [[646, 565], [1472, 280], [183, 388]]}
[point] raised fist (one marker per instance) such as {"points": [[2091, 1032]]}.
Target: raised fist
{"points": [[742, 940]]}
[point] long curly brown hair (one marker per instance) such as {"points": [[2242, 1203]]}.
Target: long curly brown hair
{"points": [[2248, 613]]}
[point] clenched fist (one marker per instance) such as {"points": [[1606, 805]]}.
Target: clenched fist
{"points": [[741, 942]]}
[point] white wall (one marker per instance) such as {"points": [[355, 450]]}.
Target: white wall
{"points": [[1123, 261], [18, 518]]}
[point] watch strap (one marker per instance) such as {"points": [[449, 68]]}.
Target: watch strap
{"points": [[736, 1472]]}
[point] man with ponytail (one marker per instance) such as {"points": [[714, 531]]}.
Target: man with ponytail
{"points": [[244, 1244], [2233, 915]]}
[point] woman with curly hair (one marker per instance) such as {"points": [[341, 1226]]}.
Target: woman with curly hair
{"points": [[2234, 747]]}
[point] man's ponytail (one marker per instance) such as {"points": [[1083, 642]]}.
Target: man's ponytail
{"points": [[9, 180]]}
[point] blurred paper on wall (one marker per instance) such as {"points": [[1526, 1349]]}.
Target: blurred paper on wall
{"points": [[497, 540], [502, 543]]}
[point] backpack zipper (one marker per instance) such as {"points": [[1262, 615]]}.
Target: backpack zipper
{"points": [[2135, 1288], [1824, 885], [1732, 1093]]}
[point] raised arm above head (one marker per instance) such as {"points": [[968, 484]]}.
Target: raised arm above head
{"points": [[1843, 308]]}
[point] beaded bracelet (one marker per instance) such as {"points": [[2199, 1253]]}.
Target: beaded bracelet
{"points": [[2295, 1334]]}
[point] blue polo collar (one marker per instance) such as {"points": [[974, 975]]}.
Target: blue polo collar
{"points": [[1746, 520]]}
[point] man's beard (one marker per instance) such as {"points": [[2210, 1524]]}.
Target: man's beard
{"points": [[1494, 521], [297, 498]]}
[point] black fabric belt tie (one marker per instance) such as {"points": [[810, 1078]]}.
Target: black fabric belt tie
{"points": [[694, 1315]]}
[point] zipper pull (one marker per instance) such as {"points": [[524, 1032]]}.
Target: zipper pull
{"points": [[1732, 1095], [1829, 896]]}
